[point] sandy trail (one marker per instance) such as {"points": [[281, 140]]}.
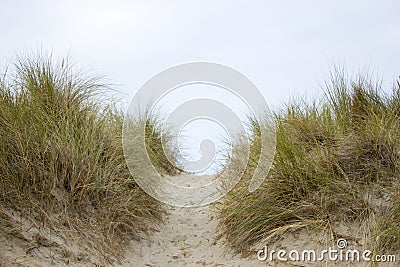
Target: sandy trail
{"points": [[188, 237]]}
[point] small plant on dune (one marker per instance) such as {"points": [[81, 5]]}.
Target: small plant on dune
{"points": [[61, 156], [331, 159]]}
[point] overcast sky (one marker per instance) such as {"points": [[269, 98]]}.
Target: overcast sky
{"points": [[285, 47]]}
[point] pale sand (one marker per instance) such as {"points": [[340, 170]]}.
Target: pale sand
{"points": [[188, 237]]}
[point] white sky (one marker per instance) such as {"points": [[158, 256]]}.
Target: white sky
{"points": [[285, 47]]}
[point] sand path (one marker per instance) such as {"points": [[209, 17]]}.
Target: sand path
{"points": [[188, 237]]}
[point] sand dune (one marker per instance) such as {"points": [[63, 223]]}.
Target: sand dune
{"points": [[188, 237]]}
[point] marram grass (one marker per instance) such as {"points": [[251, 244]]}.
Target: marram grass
{"points": [[335, 160], [61, 156]]}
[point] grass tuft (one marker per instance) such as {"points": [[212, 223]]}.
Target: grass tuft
{"points": [[334, 160], [61, 156]]}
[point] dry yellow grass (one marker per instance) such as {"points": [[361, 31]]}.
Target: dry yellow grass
{"points": [[335, 160], [61, 157]]}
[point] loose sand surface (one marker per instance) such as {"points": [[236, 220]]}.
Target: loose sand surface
{"points": [[188, 237]]}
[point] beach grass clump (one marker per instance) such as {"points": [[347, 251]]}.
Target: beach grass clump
{"points": [[160, 145], [61, 156], [334, 161]]}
